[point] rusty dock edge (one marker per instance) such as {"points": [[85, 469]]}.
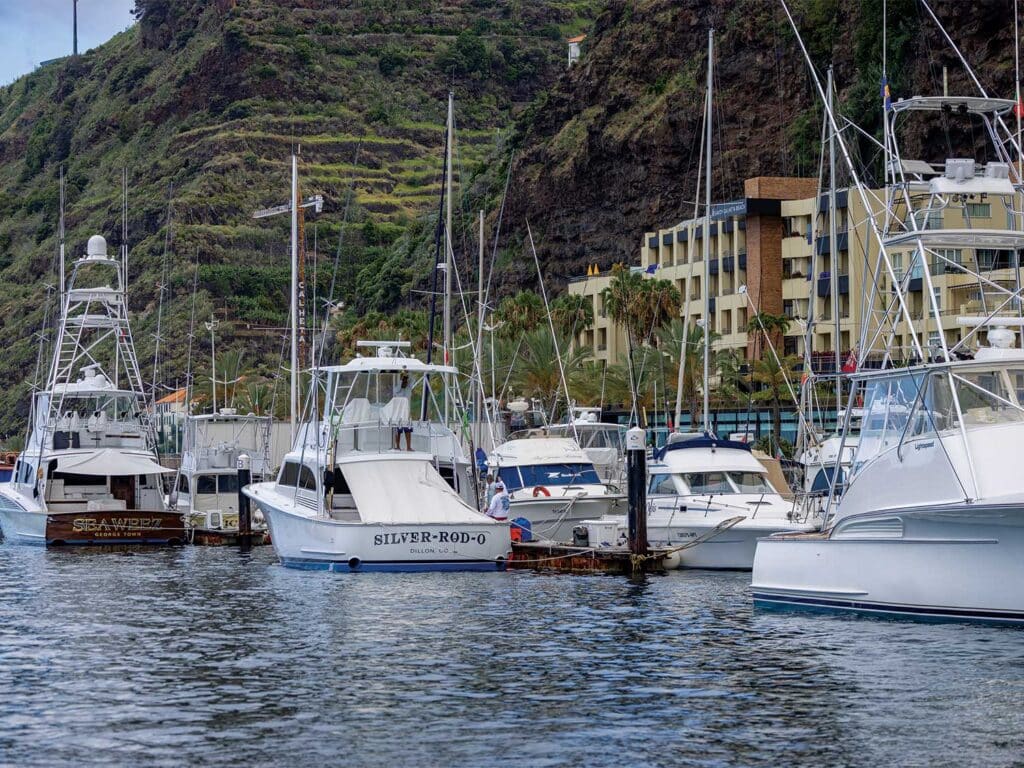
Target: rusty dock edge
{"points": [[550, 556]]}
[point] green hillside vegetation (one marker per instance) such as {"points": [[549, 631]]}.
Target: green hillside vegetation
{"points": [[203, 102]]}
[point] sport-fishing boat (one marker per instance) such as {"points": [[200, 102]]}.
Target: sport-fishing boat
{"points": [[372, 483], [552, 483], [931, 521], [714, 496], [206, 489], [90, 473], [604, 443]]}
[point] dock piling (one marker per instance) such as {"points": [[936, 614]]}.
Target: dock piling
{"points": [[244, 465], [636, 475]]}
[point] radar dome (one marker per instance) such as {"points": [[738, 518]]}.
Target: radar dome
{"points": [[97, 248]]}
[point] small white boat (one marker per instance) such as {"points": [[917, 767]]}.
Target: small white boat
{"points": [[379, 512], [714, 496], [372, 485], [206, 489], [553, 484]]}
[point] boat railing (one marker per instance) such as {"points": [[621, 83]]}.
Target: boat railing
{"points": [[380, 436]]}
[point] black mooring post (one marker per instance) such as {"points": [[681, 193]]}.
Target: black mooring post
{"points": [[244, 516], [636, 476]]}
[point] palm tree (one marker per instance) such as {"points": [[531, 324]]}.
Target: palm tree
{"points": [[670, 341], [520, 314], [536, 373], [776, 379], [767, 326], [572, 313]]}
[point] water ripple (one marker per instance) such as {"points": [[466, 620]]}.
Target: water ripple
{"points": [[207, 656]]}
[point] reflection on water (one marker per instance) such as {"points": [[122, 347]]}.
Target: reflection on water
{"points": [[206, 656]]}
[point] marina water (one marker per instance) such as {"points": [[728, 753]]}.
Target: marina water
{"points": [[205, 656]]}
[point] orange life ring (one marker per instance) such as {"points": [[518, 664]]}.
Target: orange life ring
{"points": [[538, 490]]}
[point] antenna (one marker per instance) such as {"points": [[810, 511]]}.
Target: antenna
{"points": [[74, 27]]}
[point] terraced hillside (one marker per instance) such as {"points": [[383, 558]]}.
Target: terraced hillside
{"points": [[203, 102]]}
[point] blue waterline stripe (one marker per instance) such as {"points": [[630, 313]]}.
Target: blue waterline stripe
{"points": [[394, 565], [771, 600]]}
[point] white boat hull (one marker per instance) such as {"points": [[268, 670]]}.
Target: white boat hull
{"points": [[20, 525], [552, 518], [732, 549], [943, 563], [316, 543]]}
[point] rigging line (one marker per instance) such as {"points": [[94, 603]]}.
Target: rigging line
{"points": [[338, 251], [551, 325], [857, 184], [163, 291], [497, 230]]}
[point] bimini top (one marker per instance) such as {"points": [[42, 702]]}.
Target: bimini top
{"points": [[388, 365], [538, 450], [680, 442], [109, 461], [975, 105]]}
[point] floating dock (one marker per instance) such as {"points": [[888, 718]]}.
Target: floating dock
{"points": [[551, 556]]}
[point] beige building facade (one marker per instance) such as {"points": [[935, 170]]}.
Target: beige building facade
{"points": [[770, 252]]}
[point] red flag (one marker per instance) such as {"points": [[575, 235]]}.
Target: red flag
{"points": [[850, 366], [1018, 109]]}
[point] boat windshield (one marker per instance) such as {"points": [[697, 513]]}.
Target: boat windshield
{"points": [[887, 405], [985, 398], [717, 483], [529, 476]]}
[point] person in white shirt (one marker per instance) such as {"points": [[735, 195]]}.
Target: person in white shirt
{"points": [[499, 506], [401, 394], [490, 489]]}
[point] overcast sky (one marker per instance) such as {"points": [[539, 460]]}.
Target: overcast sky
{"points": [[32, 31]]}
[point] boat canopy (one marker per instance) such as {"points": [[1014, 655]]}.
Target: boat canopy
{"points": [[677, 442], [406, 490], [108, 462], [539, 450]]}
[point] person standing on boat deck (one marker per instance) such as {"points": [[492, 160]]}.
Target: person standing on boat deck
{"points": [[499, 506], [400, 397], [490, 490]]}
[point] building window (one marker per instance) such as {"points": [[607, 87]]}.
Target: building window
{"points": [[979, 210], [788, 309], [897, 265], [937, 292]]}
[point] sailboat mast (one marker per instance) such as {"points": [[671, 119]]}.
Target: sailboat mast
{"points": [[60, 266], [833, 248], [707, 236], [479, 372], [448, 351], [294, 384]]}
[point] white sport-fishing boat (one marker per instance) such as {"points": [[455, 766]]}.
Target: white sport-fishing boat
{"points": [[89, 473], [552, 483], [714, 496], [206, 489], [351, 496], [931, 521]]}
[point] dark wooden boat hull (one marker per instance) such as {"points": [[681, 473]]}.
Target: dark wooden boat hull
{"points": [[113, 527]]}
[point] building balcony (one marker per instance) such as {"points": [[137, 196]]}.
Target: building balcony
{"points": [[825, 284], [823, 245]]}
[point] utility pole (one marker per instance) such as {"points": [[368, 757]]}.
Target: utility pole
{"points": [[294, 206]]}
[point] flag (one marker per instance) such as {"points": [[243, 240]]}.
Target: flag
{"points": [[1018, 109], [886, 95], [850, 366], [652, 269]]}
